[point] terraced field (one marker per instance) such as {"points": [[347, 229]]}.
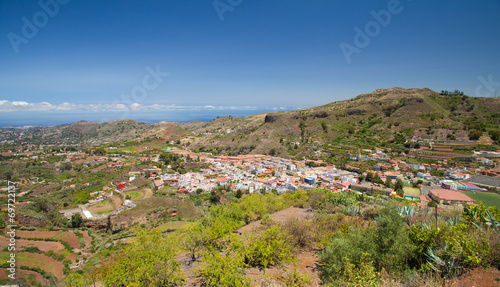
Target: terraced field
{"points": [[34, 260]]}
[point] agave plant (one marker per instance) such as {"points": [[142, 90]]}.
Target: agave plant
{"points": [[491, 221], [448, 268], [353, 210], [454, 221], [472, 214], [425, 226], [407, 212]]}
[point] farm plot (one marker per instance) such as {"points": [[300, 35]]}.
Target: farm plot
{"points": [[30, 276], [35, 260], [37, 234], [69, 237], [103, 207], [45, 246]]}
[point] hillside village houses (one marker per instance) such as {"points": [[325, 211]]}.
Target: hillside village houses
{"points": [[264, 172]]}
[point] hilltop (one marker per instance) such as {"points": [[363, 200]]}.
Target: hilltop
{"points": [[380, 118], [87, 133], [385, 118]]}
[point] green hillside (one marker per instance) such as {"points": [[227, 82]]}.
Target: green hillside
{"points": [[383, 118]]}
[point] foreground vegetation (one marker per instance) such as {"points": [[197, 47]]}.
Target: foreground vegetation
{"points": [[356, 238]]}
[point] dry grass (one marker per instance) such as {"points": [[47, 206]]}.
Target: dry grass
{"points": [[37, 234]]}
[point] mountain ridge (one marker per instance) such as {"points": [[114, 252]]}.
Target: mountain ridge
{"points": [[367, 119]]}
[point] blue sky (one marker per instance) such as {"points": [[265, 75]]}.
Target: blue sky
{"points": [[93, 55]]}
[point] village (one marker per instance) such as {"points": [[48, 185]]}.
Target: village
{"points": [[265, 173]]}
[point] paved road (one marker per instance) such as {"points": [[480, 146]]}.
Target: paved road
{"points": [[426, 189]]}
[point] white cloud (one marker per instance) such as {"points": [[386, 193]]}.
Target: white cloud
{"points": [[21, 106]]}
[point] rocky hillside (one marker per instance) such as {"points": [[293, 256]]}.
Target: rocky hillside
{"points": [[380, 118], [376, 119], [82, 132]]}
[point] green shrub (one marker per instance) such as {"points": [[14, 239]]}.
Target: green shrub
{"points": [[148, 261], [219, 269], [301, 232], [272, 247], [387, 245], [294, 278]]}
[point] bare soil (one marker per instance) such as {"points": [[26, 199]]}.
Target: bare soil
{"points": [[69, 237], [87, 238], [117, 202], [478, 278], [43, 189], [42, 245]]}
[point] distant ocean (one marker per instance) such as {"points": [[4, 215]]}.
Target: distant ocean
{"points": [[18, 119]]}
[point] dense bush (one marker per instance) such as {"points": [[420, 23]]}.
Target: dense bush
{"points": [[148, 261], [387, 246], [301, 232], [218, 269], [272, 247]]}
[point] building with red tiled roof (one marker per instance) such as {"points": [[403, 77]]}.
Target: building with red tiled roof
{"points": [[446, 196]]}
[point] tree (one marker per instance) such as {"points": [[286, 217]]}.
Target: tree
{"points": [[191, 238], [388, 181], [369, 176], [398, 185], [393, 246], [475, 134], [76, 220], [302, 126], [215, 196], [148, 261], [100, 151], [324, 126], [272, 247], [495, 135], [376, 179], [272, 152], [238, 193], [386, 246], [361, 178]]}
